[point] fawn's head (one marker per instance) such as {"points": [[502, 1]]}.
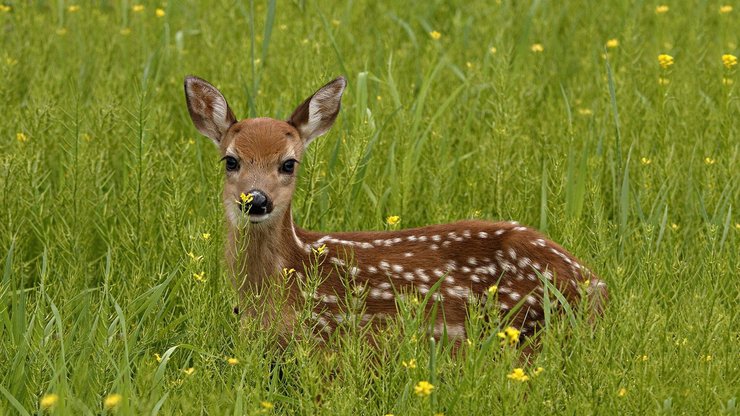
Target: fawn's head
{"points": [[261, 155]]}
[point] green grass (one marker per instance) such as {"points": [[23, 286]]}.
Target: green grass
{"points": [[106, 187]]}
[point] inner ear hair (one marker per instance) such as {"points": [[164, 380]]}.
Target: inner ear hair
{"points": [[208, 108]]}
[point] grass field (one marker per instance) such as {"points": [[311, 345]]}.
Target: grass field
{"points": [[557, 114]]}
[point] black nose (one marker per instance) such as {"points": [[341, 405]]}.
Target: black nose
{"points": [[259, 205]]}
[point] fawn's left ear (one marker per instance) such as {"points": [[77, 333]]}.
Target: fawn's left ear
{"points": [[208, 108], [316, 115]]}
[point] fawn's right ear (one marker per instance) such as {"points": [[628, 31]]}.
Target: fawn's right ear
{"points": [[208, 108]]}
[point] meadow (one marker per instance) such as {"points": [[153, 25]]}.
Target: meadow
{"points": [[611, 126]]}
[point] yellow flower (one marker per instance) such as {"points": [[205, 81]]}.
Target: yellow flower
{"points": [[62, 31], [709, 161], [201, 277], [21, 137], [469, 65], [510, 336], [585, 111], [661, 9], [674, 227], [537, 48], [493, 50], [232, 361], [158, 357], [518, 375], [707, 358], [283, 27], [439, 414], [729, 60], [112, 400], [5, 9], [612, 43], [246, 198], [287, 271], [320, 250], [335, 22], [266, 405], [725, 9], [206, 236], [727, 81], [48, 401], [393, 220], [492, 290], [537, 371], [435, 35], [622, 392], [189, 371], [379, 97], [411, 364], [73, 8], [125, 31], [194, 258], [137, 8], [663, 81], [645, 161], [665, 61], [159, 12], [737, 225], [643, 358], [423, 388]]}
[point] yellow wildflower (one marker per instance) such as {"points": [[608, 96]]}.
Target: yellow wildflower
{"points": [[537, 371], [510, 336], [5, 9], [725, 9], [189, 371], [727, 81], [469, 65], [661, 9], [737, 225], [492, 290], [622, 392], [493, 50], [439, 414], [320, 250], [663, 81], [537, 48], [379, 97], [48, 401], [112, 400], [423, 388], [125, 31], [709, 161], [393, 220], [159, 13], [287, 271], [201, 277], [585, 111], [411, 364], [674, 227], [645, 161], [706, 358], [612, 43], [283, 27], [518, 375], [137, 8], [206, 236], [62, 31], [73, 8], [643, 358], [335, 22], [729, 60], [232, 361], [158, 357], [21, 137], [194, 258], [267, 405], [435, 35], [665, 60], [246, 198]]}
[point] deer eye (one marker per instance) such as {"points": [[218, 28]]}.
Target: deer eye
{"points": [[231, 163], [288, 166]]}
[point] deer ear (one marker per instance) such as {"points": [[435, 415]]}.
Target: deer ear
{"points": [[316, 115], [208, 108]]}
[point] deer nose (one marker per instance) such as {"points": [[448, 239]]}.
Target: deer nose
{"points": [[260, 204]]}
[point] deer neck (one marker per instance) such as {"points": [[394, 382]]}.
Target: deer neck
{"points": [[261, 251]]}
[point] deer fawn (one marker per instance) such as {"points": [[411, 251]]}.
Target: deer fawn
{"points": [[262, 156]]}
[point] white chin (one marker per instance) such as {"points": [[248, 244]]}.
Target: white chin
{"points": [[256, 219]]}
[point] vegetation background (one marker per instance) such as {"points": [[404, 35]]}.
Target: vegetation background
{"points": [[113, 293]]}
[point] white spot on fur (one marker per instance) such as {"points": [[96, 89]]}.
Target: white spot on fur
{"points": [[372, 269], [408, 276], [384, 265], [472, 261], [482, 234], [466, 233], [397, 268], [499, 232], [434, 247], [436, 238], [408, 254]]}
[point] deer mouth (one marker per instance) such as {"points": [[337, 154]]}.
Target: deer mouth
{"points": [[256, 219]]}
